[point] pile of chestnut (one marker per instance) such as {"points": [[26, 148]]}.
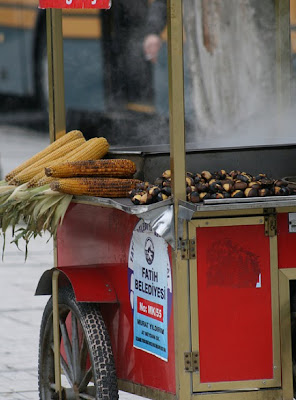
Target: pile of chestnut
{"points": [[207, 185]]}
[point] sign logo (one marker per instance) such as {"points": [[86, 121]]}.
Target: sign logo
{"points": [[149, 250]]}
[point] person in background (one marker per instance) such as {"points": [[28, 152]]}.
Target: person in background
{"points": [[155, 24], [132, 31]]}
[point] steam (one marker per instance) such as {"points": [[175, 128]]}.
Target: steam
{"points": [[230, 51]]}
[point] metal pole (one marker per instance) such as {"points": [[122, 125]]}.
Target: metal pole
{"points": [[56, 332], [176, 101], [57, 118], [178, 168], [57, 128]]}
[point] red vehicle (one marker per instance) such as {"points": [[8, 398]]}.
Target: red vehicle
{"points": [[173, 300]]}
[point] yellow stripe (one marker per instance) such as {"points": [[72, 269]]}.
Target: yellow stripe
{"points": [[11, 18], [74, 26], [29, 19], [82, 27], [293, 42], [20, 2], [293, 12]]}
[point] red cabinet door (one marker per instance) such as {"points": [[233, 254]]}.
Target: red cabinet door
{"points": [[233, 284]]}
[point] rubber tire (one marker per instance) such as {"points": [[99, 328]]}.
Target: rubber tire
{"points": [[98, 342]]}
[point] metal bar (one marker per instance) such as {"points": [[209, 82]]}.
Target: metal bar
{"points": [[237, 221], [56, 332], [285, 330], [178, 168], [176, 102], [57, 118], [266, 394], [244, 206], [276, 339], [250, 200], [283, 54]]}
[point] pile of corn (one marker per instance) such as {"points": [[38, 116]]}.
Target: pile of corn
{"points": [[103, 178], [216, 185], [70, 147], [39, 191]]}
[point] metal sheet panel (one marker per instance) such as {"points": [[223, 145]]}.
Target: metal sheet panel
{"points": [[234, 316], [234, 296]]}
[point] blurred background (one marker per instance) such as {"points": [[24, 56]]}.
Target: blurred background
{"points": [[116, 80], [109, 81]]}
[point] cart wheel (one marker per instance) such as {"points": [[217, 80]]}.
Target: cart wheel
{"points": [[87, 364]]}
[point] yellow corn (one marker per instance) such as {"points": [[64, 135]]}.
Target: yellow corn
{"points": [[31, 171], [48, 150], [102, 187], [109, 168], [92, 149], [44, 180]]}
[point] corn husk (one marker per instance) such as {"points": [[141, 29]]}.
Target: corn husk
{"points": [[30, 212]]}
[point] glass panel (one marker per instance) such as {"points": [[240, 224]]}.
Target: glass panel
{"points": [[230, 58], [116, 79]]}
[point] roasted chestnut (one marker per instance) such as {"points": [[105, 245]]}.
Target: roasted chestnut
{"points": [[238, 194], [204, 196], [243, 178], [251, 192], [202, 187], [167, 174], [240, 185], [206, 175], [194, 197]]}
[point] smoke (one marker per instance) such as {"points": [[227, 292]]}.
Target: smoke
{"points": [[230, 51]]}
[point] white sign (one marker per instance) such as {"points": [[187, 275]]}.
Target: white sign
{"points": [[150, 290]]}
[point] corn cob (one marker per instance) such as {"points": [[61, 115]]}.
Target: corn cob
{"points": [[92, 149], [102, 187], [31, 171], [48, 150], [108, 168], [44, 180]]}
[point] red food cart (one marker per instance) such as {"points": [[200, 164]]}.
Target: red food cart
{"points": [[173, 300]]}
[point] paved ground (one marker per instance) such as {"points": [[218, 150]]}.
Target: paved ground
{"points": [[20, 315], [20, 310]]}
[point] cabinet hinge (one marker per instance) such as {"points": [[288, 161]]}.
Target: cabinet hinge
{"points": [[188, 249], [270, 223], [191, 361]]}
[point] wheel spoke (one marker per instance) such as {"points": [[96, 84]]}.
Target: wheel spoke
{"points": [[83, 355], [65, 368], [85, 380], [67, 371], [67, 346], [75, 350]]}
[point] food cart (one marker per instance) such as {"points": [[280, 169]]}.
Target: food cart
{"points": [[172, 300]]}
